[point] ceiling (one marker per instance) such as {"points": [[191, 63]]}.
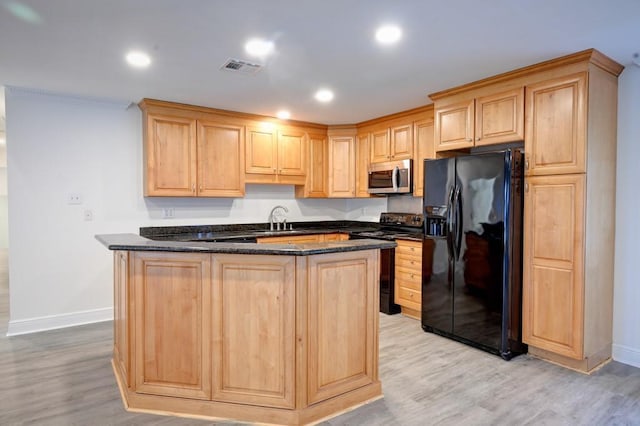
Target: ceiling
{"points": [[77, 47]]}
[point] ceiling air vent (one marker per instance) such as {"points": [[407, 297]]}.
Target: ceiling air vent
{"points": [[242, 67]]}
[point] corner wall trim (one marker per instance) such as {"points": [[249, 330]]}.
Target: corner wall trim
{"points": [[626, 355], [52, 322]]}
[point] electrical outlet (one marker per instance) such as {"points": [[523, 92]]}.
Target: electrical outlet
{"points": [[88, 215], [74, 198], [168, 213]]}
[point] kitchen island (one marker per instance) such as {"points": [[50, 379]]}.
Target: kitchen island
{"points": [[269, 333]]}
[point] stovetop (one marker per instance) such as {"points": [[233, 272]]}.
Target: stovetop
{"points": [[397, 226]]}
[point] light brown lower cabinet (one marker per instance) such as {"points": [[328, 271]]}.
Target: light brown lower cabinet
{"points": [[256, 338], [408, 277], [299, 239], [567, 307]]}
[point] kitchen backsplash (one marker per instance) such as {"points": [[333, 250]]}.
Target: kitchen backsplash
{"points": [[404, 204]]}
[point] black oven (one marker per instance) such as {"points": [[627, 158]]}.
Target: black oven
{"points": [[392, 227]]}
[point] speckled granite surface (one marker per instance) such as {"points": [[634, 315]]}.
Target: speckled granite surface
{"points": [[180, 233], [138, 243], [249, 232]]}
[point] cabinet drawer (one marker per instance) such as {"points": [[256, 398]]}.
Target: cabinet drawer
{"points": [[408, 297], [411, 263], [415, 285], [409, 246], [412, 276]]}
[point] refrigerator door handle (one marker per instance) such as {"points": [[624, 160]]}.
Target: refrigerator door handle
{"points": [[450, 230], [458, 215]]}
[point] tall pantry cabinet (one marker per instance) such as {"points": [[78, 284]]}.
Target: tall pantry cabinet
{"points": [[570, 170]]}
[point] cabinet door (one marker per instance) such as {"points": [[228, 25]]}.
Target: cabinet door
{"points": [[401, 142], [220, 159], [362, 166], [380, 147], [335, 237], [408, 275], [454, 126], [317, 172], [556, 116], [172, 324], [424, 149], [289, 239], [500, 118], [170, 149], [261, 153], [342, 323], [292, 153], [121, 312], [553, 282], [254, 337], [342, 164]]}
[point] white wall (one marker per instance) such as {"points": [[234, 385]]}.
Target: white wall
{"points": [[626, 308], [56, 145]]}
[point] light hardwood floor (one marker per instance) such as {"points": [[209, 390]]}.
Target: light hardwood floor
{"points": [[63, 377]]}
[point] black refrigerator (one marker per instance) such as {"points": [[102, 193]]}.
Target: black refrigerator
{"points": [[472, 250]]}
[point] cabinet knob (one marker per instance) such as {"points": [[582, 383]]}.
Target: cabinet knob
{"points": [[469, 140], [526, 187], [193, 188], [477, 139], [200, 187], [526, 163]]}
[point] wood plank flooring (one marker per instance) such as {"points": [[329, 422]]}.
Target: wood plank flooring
{"points": [[63, 377]]}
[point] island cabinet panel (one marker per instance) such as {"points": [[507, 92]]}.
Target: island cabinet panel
{"points": [[172, 324], [556, 126], [220, 157], [254, 330], [171, 155], [342, 321], [121, 312], [553, 267]]}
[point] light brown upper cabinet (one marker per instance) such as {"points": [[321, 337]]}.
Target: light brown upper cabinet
{"points": [[556, 126], [275, 156], [392, 143], [342, 165], [362, 165], [487, 120], [423, 134], [220, 154], [317, 179], [188, 156]]}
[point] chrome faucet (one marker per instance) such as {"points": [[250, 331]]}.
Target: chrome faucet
{"points": [[272, 217]]}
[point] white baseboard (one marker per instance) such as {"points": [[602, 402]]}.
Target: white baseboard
{"points": [[52, 322], [626, 355]]}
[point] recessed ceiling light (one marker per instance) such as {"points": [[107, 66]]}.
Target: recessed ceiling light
{"points": [[258, 47], [324, 95], [283, 115], [138, 59], [388, 34]]}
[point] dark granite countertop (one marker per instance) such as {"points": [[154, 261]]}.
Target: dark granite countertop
{"points": [[138, 243], [250, 231]]}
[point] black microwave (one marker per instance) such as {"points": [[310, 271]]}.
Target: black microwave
{"points": [[392, 177]]}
